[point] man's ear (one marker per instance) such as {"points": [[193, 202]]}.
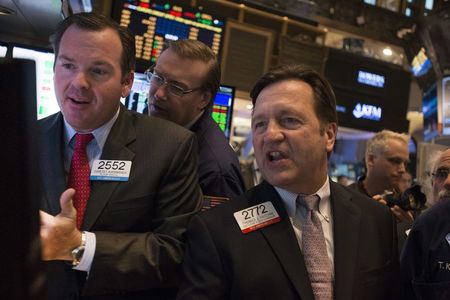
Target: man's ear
{"points": [[127, 83], [330, 133], [369, 160]]}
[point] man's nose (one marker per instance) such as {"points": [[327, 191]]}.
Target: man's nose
{"points": [[81, 80], [273, 132]]}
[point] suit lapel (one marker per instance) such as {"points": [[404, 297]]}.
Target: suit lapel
{"points": [[281, 238], [346, 219], [121, 135], [52, 163]]}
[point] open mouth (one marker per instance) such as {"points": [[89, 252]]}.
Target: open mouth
{"points": [[275, 156], [78, 101]]}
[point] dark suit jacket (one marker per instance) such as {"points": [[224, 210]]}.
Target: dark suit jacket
{"points": [[139, 223], [223, 263], [218, 166], [425, 260]]}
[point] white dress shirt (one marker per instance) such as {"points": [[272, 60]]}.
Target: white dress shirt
{"points": [[323, 211]]}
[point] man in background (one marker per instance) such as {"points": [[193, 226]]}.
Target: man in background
{"points": [[425, 260], [183, 84], [387, 157], [119, 188], [296, 235]]}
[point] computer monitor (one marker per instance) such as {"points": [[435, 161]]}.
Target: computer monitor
{"points": [[46, 99], [222, 111], [430, 113], [154, 22], [137, 100]]}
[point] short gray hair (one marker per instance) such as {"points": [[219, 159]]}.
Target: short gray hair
{"points": [[377, 145]]}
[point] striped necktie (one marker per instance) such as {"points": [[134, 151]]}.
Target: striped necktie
{"points": [[315, 251]]}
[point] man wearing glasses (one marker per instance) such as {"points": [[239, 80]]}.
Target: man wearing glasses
{"points": [[425, 260], [183, 83]]}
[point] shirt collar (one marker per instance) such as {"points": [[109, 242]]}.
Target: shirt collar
{"points": [[190, 124], [289, 199], [100, 134]]}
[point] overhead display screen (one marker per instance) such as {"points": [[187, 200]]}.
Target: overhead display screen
{"points": [[154, 22]]}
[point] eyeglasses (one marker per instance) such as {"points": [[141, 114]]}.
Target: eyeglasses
{"points": [[441, 174], [172, 88]]}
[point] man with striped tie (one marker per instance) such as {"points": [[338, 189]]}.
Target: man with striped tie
{"points": [[297, 235]]}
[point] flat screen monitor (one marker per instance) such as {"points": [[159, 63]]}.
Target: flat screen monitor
{"points": [[446, 105], [430, 113], [154, 22], [137, 99], [46, 99], [222, 111]]}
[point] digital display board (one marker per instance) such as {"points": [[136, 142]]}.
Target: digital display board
{"points": [[223, 108], [46, 99], [154, 22]]}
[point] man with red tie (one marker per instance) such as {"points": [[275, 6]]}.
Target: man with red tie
{"points": [[297, 235], [118, 187]]}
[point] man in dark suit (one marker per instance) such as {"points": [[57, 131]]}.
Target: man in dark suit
{"points": [[183, 84], [142, 188], [260, 245], [425, 260]]}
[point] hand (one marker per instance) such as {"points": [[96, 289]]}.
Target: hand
{"points": [[59, 234], [400, 214]]}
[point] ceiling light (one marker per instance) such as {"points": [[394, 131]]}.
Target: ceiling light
{"points": [[4, 11], [387, 51], [249, 106]]}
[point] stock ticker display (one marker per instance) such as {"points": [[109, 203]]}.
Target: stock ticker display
{"points": [[154, 22]]}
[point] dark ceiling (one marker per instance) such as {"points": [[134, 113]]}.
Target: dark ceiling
{"points": [[34, 21]]}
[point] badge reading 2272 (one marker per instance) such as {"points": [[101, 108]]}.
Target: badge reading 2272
{"points": [[256, 217]]}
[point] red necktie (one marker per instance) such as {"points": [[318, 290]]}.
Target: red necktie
{"points": [[79, 175], [315, 250]]}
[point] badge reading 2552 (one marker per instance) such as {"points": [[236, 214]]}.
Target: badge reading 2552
{"points": [[256, 217], [111, 170]]}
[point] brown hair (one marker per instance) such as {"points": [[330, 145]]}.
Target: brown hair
{"points": [[197, 50], [96, 22], [324, 99]]}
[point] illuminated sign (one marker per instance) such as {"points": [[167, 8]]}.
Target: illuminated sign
{"points": [[366, 111], [420, 63], [371, 79]]}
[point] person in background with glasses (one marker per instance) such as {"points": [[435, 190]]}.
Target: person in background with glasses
{"points": [[425, 260], [183, 84]]}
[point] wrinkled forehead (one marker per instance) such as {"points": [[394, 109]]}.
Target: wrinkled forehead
{"points": [[444, 160]]}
